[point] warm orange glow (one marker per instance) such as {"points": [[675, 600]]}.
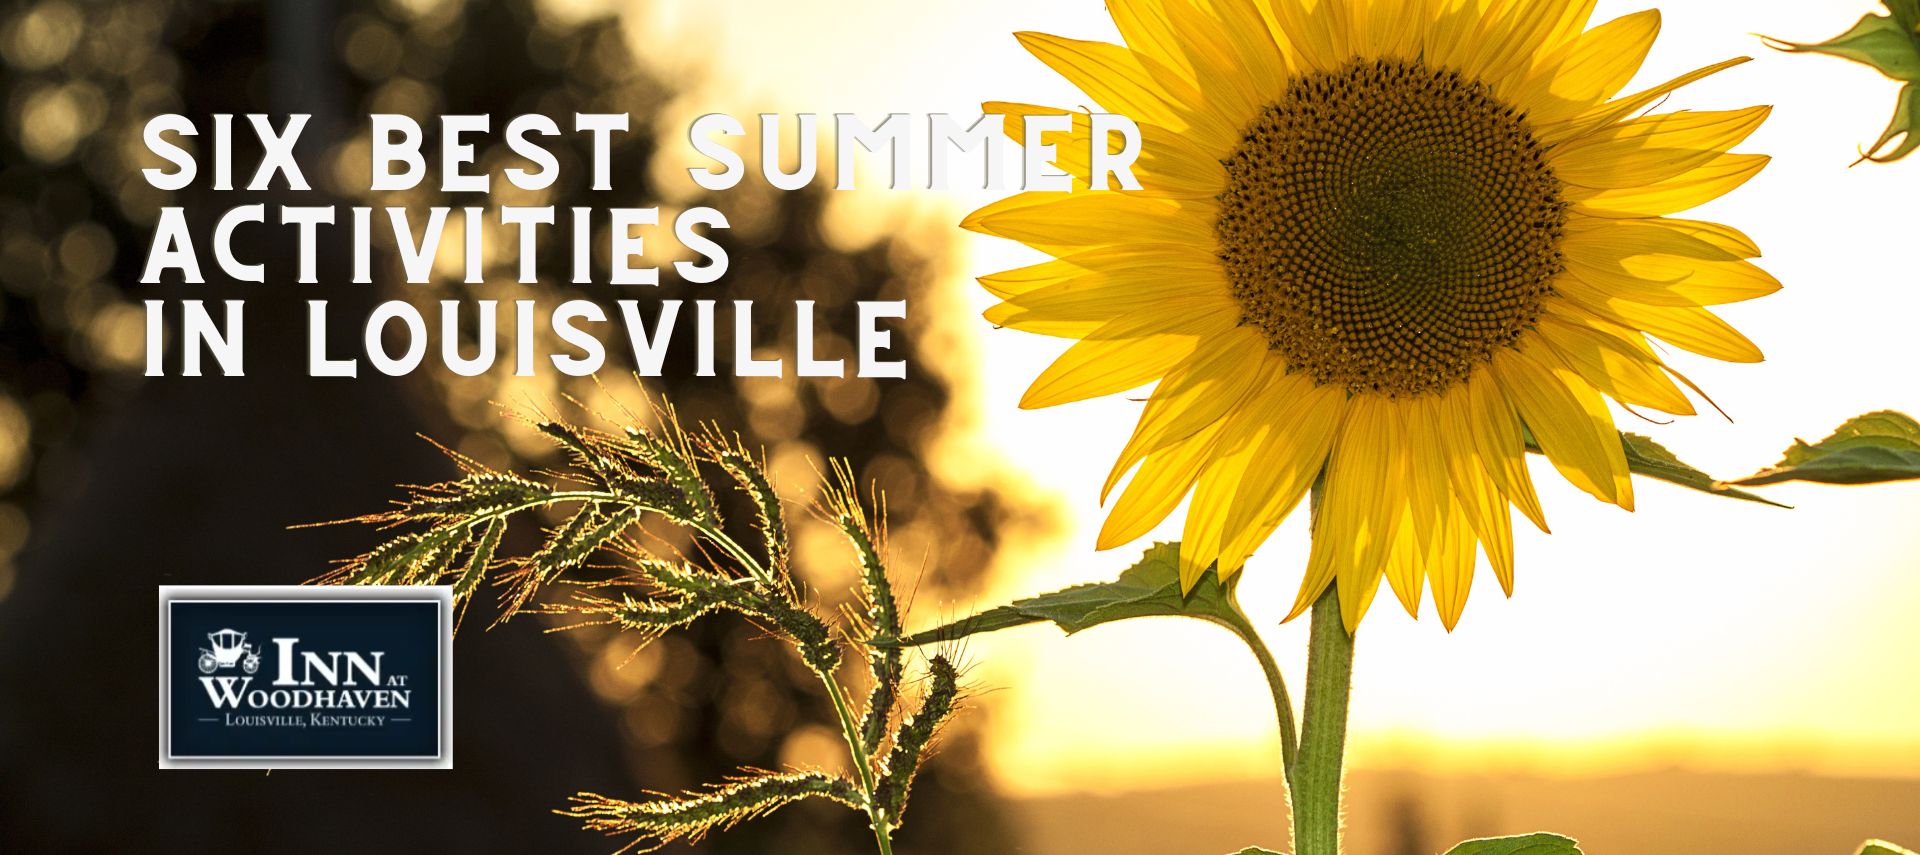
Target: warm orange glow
{"points": [[1695, 632]]}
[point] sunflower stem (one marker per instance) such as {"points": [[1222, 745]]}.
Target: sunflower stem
{"points": [[1276, 685], [1316, 776]]}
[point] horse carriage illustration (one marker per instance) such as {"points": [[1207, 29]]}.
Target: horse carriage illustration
{"points": [[229, 647]]}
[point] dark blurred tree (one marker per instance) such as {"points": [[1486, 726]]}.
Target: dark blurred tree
{"points": [[125, 482]]}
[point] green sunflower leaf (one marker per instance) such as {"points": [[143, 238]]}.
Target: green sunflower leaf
{"points": [[1527, 844], [1882, 847], [1649, 458], [1889, 44], [1255, 850], [1150, 588], [1653, 460], [1884, 42], [1871, 449], [1905, 116]]}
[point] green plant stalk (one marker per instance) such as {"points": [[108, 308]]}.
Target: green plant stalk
{"points": [[1323, 740], [849, 728], [1276, 686], [850, 731]]}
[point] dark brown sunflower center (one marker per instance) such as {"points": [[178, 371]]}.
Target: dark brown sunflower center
{"points": [[1388, 226]]}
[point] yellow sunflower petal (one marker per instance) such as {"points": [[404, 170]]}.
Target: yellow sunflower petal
{"points": [[1631, 375], [1213, 495], [1572, 21], [1124, 354], [1163, 480], [1088, 324], [1693, 188], [1427, 491], [1450, 568], [1393, 28], [1406, 566], [1106, 295], [1232, 89], [1255, 54], [1072, 151], [1450, 41], [1570, 421], [1095, 219], [1706, 283], [1419, 445], [1355, 525], [1652, 149], [1513, 35], [1589, 284], [1174, 260], [1619, 238], [1008, 284], [1488, 416], [1426, 484], [1286, 465], [1118, 79], [1478, 495], [1145, 27], [1201, 391], [1305, 34], [1670, 280], [1591, 69], [1689, 328], [1605, 116], [1727, 238], [1170, 163]]}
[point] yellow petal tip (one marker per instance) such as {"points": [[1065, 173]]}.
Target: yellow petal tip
{"points": [[1107, 540], [1189, 577], [1303, 602]]}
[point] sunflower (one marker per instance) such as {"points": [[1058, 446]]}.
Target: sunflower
{"points": [[1384, 244]]}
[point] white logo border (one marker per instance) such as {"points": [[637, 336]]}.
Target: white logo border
{"points": [[442, 595]]}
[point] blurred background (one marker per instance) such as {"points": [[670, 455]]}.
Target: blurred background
{"points": [[1700, 673]]}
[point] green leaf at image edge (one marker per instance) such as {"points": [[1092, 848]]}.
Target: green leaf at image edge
{"points": [[1526, 844], [1882, 42], [1882, 847], [1150, 588], [1906, 114], [1255, 850], [1871, 449], [1888, 44]]}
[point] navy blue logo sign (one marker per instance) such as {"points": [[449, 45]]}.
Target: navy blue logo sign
{"points": [[306, 676]]}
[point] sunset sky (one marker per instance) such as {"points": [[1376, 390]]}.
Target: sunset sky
{"points": [[1696, 632]]}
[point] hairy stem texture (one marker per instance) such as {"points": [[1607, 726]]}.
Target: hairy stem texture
{"points": [[1323, 740]]}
